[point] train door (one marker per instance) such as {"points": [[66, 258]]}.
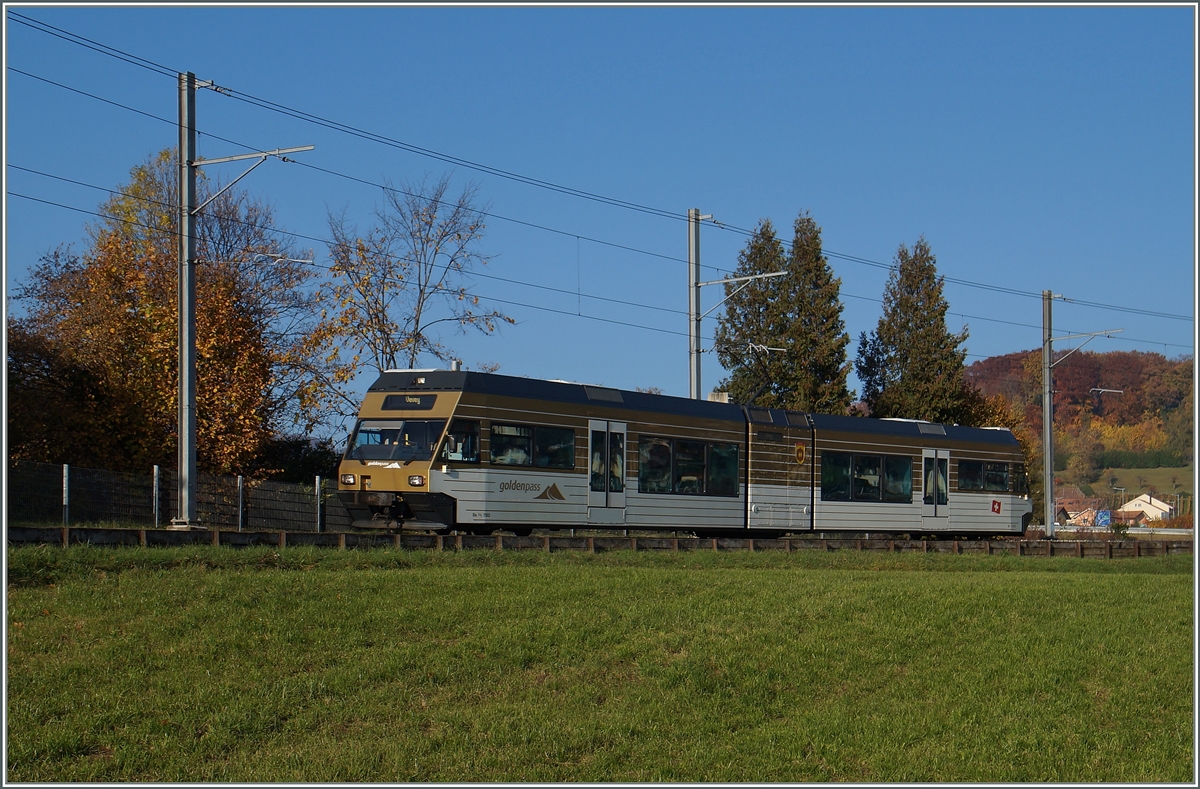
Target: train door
{"points": [[935, 499], [766, 497], [778, 493], [606, 471]]}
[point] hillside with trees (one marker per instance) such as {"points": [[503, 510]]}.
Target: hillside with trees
{"points": [[1147, 425]]}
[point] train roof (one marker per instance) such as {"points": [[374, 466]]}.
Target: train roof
{"points": [[584, 394], [553, 391], [913, 427]]}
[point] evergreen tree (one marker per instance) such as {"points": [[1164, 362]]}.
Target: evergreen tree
{"points": [[800, 313], [911, 366]]}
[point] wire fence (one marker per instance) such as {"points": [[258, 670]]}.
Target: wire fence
{"points": [[49, 493]]}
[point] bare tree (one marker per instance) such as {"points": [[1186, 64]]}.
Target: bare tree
{"points": [[395, 288]]}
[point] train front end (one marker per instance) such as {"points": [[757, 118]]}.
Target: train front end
{"points": [[384, 474]]}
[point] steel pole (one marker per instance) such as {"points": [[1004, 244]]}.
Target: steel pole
{"points": [[186, 478], [694, 303], [1047, 414]]}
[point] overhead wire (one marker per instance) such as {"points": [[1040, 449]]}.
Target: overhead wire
{"points": [[452, 291], [971, 283], [332, 244], [492, 214], [443, 290], [104, 49], [526, 305], [299, 114], [345, 128], [488, 169]]}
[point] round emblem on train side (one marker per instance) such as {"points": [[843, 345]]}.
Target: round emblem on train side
{"points": [[800, 454]]}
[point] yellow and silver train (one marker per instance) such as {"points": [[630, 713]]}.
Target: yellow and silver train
{"points": [[476, 452]]}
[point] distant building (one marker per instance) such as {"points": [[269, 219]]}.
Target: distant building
{"points": [[1074, 507], [1082, 518], [1151, 508]]}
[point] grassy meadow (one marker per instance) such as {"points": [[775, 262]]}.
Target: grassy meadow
{"points": [[207, 664], [1157, 478]]}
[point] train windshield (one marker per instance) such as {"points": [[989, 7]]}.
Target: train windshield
{"points": [[395, 439]]}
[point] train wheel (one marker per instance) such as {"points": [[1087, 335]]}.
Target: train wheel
{"points": [[522, 532]]}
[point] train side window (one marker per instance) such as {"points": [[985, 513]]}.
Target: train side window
{"points": [[654, 465], [1020, 480], [599, 461], [995, 476], [897, 479], [554, 447], [462, 442], [722, 470], [970, 475], [689, 466], [512, 445], [865, 486], [835, 476], [936, 487], [616, 462]]}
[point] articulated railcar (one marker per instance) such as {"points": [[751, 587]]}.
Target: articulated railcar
{"points": [[476, 452]]}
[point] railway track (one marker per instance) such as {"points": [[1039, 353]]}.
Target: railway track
{"points": [[116, 537]]}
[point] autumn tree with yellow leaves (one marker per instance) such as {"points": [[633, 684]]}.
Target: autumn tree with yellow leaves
{"points": [[93, 376]]}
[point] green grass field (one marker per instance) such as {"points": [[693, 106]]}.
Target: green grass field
{"points": [[1157, 478], [307, 665]]}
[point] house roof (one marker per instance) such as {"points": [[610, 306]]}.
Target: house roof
{"points": [[1145, 502]]}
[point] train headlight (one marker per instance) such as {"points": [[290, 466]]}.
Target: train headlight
{"points": [[348, 479], [416, 480]]}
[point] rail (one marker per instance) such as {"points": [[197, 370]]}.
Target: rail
{"points": [[98, 536]]}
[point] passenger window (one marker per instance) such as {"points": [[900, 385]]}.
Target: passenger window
{"points": [[970, 475], [462, 442], [554, 447], [616, 463], [897, 479], [689, 467], [835, 476], [722, 470], [512, 445], [599, 449], [654, 465], [995, 476], [866, 477], [936, 474]]}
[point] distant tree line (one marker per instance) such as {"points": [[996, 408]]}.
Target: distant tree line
{"points": [[1146, 423]]}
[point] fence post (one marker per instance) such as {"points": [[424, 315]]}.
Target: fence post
{"points": [[66, 487], [241, 502], [318, 489], [156, 484]]}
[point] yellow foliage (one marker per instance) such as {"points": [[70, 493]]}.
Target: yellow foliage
{"points": [[1144, 436], [112, 313]]}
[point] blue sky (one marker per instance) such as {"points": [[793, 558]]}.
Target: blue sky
{"points": [[1033, 147]]}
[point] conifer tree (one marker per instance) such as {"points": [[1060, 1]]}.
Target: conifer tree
{"points": [[800, 313], [911, 366]]}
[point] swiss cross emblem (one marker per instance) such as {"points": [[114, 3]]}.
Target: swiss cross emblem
{"points": [[995, 506]]}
